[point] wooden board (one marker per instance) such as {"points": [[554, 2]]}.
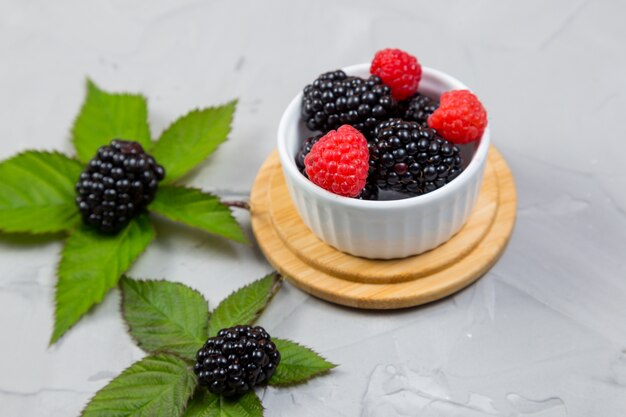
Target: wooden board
{"points": [[338, 277]]}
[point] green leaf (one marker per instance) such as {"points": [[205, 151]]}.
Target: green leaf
{"points": [[297, 364], [191, 138], [156, 386], [245, 305], [37, 192], [106, 116], [197, 209], [91, 264], [165, 316], [205, 404]]}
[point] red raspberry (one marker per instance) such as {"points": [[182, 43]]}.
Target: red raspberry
{"points": [[339, 162], [460, 118], [399, 70]]}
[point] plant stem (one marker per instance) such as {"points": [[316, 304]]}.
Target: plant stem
{"points": [[239, 204]]}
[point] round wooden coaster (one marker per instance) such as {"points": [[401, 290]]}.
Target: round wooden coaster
{"points": [[306, 246], [382, 284]]}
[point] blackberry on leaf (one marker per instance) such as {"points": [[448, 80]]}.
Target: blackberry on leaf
{"points": [[236, 360], [335, 99], [418, 108], [117, 184], [412, 159]]}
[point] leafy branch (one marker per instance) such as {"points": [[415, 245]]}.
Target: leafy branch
{"points": [[37, 194], [171, 321]]}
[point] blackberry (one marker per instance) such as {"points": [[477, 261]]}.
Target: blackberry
{"points": [[117, 184], [370, 191], [335, 99], [417, 108], [304, 150], [412, 159], [236, 360]]}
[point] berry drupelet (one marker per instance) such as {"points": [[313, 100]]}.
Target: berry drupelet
{"points": [[369, 192], [236, 360], [417, 108], [335, 99], [304, 151], [117, 184], [412, 159]]}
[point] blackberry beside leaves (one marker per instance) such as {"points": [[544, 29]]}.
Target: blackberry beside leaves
{"points": [[117, 184], [236, 360]]}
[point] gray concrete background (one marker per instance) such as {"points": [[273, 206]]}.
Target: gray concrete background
{"points": [[542, 334]]}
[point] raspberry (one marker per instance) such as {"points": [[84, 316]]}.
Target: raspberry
{"points": [[334, 99], [412, 159], [117, 184], [236, 360], [460, 118], [399, 70], [338, 162], [418, 108]]}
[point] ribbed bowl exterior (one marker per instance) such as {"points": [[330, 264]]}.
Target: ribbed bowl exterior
{"points": [[382, 229], [390, 233]]}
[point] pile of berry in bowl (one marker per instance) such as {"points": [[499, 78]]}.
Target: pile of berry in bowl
{"points": [[385, 159]]}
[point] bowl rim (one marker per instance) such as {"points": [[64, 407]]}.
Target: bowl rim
{"points": [[289, 165]]}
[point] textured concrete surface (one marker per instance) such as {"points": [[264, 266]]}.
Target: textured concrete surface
{"points": [[541, 335]]}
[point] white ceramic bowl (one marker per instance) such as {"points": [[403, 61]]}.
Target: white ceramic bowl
{"points": [[381, 229]]}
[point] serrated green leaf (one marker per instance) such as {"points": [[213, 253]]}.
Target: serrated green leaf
{"points": [[37, 192], [91, 264], [165, 316], [244, 305], [107, 116], [156, 386], [297, 364], [205, 404], [191, 138], [197, 209]]}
